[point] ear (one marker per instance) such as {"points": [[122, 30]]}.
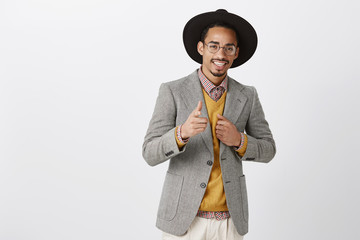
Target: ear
{"points": [[200, 48], [237, 53]]}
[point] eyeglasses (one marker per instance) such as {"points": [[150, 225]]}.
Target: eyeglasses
{"points": [[229, 50]]}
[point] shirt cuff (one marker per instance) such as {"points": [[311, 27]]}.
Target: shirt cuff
{"points": [[180, 142], [243, 144]]}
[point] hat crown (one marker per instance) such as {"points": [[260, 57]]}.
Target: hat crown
{"points": [[221, 11]]}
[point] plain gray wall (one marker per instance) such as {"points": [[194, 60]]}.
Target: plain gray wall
{"points": [[71, 130]]}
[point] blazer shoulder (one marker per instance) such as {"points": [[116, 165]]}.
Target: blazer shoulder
{"points": [[179, 83], [249, 91], [175, 83]]}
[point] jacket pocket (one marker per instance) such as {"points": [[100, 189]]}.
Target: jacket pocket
{"points": [[170, 196], [244, 198]]}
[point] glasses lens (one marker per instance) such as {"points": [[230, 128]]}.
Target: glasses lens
{"points": [[230, 50], [213, 48]]}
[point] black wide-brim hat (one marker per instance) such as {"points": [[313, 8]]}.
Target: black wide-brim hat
{"points": [[246, 34]]}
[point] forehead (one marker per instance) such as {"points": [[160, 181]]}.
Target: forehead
{"points": [[221, 35]]}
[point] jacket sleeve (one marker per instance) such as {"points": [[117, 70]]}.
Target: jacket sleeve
{"points": [[260, 145], [160, 142]]}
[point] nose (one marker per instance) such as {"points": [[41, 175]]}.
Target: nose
{"points": [[221, 53]]}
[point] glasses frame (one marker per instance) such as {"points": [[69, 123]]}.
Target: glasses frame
{"points": [[233, 54]]}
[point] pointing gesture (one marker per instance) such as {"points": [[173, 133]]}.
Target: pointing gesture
{"points": [[194, 124]]}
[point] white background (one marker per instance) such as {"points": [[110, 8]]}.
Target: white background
{"points": [[78, 84]]}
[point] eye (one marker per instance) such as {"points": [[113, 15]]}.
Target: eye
{"points": [[230, 48], [213, 46]]}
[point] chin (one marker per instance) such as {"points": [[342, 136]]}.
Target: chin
{"points": [[218, 74]]}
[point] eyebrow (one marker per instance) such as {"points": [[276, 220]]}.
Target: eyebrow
{"points": [[228, 44]]}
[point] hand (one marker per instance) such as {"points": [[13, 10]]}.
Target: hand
{"points": [[227, 132], [194, 124]]}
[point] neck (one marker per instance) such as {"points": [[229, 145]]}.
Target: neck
{"points": [[214, 79]]}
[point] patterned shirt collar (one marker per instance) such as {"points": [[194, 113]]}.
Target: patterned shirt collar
{"points": [[208, 85]]}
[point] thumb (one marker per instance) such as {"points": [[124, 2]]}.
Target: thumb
{"points": [[221, 117]]}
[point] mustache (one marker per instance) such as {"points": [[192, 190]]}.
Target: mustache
{"points": [[218, 59]]}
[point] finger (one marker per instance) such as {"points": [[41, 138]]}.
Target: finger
{"points": [[200, 125], [197, 110], [221, 117], [219, 135], [200, 120], [199, 106], [219, 129], [196, 113], [201, 129], [220, 122], [223, 120]]}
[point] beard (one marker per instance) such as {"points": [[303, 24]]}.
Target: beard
{"points": [[217, 74]]}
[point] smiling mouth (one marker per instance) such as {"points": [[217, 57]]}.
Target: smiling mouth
{"points": [[219, 62]]}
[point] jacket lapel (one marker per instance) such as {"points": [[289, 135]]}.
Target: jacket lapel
{"points": [[192, 94], [234, 104]]}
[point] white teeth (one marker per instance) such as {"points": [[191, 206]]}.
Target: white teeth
{"points": [[219, 64]]}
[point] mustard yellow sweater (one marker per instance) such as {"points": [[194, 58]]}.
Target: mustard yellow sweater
{"points": [[214, 198]]}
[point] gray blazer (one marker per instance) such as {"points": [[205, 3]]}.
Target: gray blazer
{"points": [[189, 169]]}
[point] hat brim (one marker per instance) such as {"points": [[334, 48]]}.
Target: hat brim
{"points": [[247, 35]]}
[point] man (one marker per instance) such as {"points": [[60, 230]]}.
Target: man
{"points": [[207, 124]]}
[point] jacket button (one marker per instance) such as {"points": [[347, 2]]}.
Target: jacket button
{"points": [[203, 185], [209, 163]]}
